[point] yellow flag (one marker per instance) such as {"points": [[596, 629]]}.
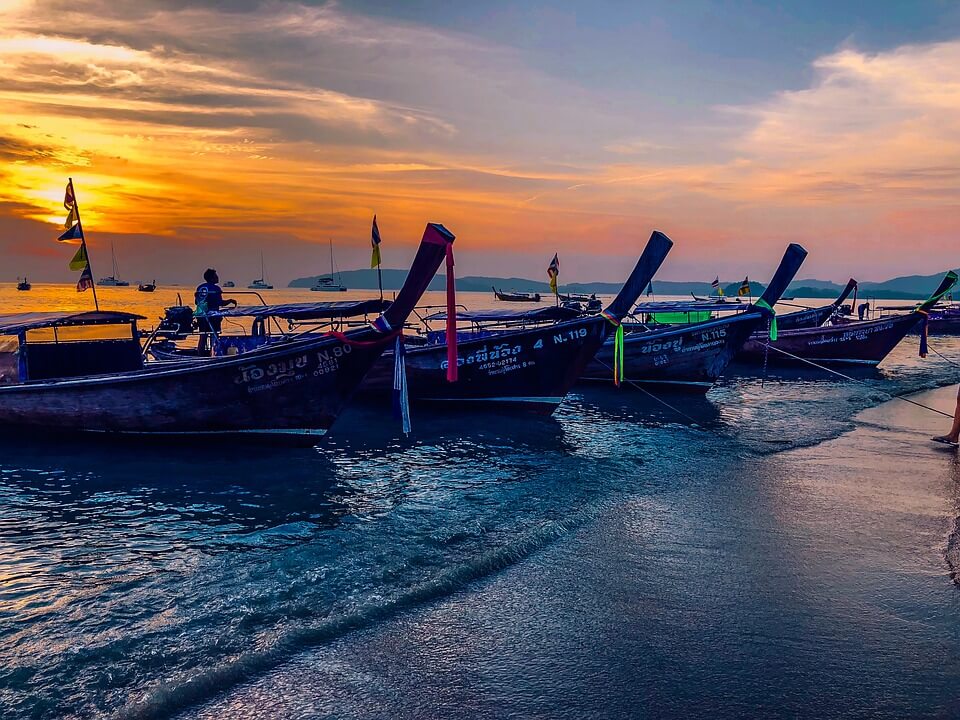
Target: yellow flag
{"points": [[79, 261], [71, 218]]}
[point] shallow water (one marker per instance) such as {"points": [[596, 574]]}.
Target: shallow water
{"points": [[146, 581]]}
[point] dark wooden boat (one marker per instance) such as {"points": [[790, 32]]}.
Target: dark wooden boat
{"points": [[147, 287], [944, 319], [856, 343], [516, 296], [525, 361], [814, 317], [23, 285], [691, 357], [66, 381]]}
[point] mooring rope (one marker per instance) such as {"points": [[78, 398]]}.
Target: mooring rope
{"points": [[650, 394], [856, 380]]}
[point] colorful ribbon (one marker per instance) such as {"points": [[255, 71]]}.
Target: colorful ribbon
{"points": [[923, 332], [401, 399], [617, 347], [761, 303], [451, 318]]}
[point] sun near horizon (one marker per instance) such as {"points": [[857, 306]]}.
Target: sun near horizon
{"points": [[197, 134]]}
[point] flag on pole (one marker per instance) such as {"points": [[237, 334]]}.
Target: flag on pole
{"points": [[74, 233], [68, 199], [552, 272], [80, 261], [716, 282], [375, 242], [744, 287], [71, 217], [86, 280]]}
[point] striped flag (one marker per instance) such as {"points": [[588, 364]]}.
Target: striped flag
{"points": [[716, 282], [86, 280], [375, 242], [552, 272], [744, 287]]}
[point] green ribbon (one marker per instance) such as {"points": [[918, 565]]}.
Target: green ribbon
{"points": [[761, 303], [618, 356]]}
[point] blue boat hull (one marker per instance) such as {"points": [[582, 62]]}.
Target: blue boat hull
{"points": [[682, 357]]}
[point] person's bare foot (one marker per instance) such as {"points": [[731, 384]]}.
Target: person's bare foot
{"points": [[946, 440]]}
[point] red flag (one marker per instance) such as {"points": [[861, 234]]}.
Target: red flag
{"points": [[86, 280]]}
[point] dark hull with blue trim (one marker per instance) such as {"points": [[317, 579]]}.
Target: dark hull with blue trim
{"points": [[296, 388], [527, 370], [686, 358], [859, 343]]}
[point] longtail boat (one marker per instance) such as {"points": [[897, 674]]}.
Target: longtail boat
{"points": [[944, 319], [516, 296], [65, 378], [526, 361], [690, 357], [855, 343], [815, 317]]}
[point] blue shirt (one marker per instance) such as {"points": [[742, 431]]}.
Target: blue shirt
{"points": [[211, 293]]}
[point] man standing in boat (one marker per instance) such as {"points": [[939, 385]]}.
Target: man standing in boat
{"points": [[209, 299]]}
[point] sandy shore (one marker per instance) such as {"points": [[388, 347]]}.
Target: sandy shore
{"points": [[812, 582]]}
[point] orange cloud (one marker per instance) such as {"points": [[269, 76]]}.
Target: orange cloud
{"points": [[300, 122]]}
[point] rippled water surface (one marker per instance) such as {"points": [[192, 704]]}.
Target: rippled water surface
{"points": [[231, 579]]}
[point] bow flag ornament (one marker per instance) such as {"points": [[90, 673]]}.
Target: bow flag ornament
{"points": [[552, 272]]}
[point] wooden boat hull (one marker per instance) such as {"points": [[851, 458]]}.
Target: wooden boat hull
{"points": [[527, 370], [687, 358], [812, 318], [296, 388], [858, 343]]}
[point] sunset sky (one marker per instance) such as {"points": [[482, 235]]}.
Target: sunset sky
{"points": [[199, 132]]}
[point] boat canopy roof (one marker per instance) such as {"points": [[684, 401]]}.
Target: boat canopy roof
{"points": [[308, 311], [16, 323], [667, 306], [543, 314]]}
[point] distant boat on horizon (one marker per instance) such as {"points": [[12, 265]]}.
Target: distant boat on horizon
{"points": [[113, 280], [326, 284], [23, 284], [516, 296], [229, 283], [261, 282], [147, 287]]}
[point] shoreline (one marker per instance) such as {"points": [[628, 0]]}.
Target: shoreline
{"points": [[861, 524]]}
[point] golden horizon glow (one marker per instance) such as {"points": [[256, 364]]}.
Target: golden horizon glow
{"points": [[172, 132]]}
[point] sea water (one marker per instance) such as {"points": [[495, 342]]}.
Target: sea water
{"points": [[631, 556]]}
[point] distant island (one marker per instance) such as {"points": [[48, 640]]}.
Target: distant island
{"points": [[909, 287]]}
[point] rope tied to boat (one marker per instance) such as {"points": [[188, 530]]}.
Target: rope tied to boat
{"points": [[617, 346], [761, 303]]}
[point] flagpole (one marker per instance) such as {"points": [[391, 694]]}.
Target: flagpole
{"points": [[380, 282], [83, 244]]}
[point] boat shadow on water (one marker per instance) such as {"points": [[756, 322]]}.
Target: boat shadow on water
{"points": [[788, 373], [644, 407]]}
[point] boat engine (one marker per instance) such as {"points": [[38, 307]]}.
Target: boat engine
{"points": [[177, 322]]}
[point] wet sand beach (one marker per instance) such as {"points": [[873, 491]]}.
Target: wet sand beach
{"points": [[816, 582]]}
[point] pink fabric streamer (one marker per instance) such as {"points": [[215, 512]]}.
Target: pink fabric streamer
{"points": [[451, 318]]}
